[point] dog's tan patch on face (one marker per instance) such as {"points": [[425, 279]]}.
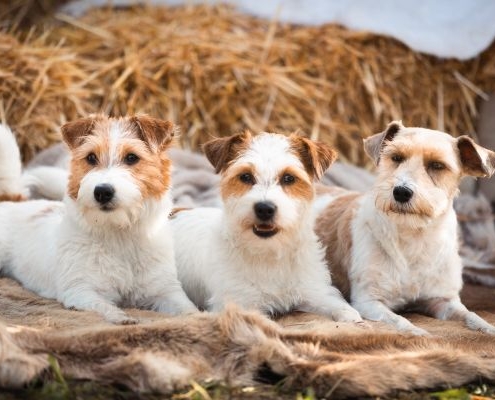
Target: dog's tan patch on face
{"points": [[237, 181], [153, 175], [149, 168], [91, 154], [395, 152], [441, 171], [296, 183]]}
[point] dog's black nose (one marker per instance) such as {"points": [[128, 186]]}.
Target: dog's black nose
{"points": [[402, 194], [104, 193], [265, 210]]}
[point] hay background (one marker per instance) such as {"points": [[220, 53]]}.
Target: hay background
{"points": [[214, 71]]}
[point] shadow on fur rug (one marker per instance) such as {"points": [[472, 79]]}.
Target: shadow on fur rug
{"points": [[164, 354]]}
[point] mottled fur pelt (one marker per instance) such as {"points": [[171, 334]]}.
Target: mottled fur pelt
{"points": [[163, 354]]}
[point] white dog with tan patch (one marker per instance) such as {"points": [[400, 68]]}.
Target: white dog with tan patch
{"points": [[260, 251], [109, 243], [397, 245]]}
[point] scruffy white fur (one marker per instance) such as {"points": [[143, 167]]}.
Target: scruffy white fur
{"points": [[406, 253], [219, 257], [89, 258]]}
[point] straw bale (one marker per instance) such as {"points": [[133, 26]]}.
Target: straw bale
{"points": [[23, 13], [214, 71], [39, 90]]}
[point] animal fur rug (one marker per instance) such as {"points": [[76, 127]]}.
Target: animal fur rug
{"points": [[163, 354], [297, 351]]}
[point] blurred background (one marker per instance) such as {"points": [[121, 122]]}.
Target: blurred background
{"points": [[336, 70]]}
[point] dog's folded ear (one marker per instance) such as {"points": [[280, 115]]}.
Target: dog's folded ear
{"points": [[221, 151], [74, 132], [315, 156], [156, 132], [475, 160], [374, 145]]}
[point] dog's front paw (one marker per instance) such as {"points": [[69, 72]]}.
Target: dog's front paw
{"points": [[191, 311], [363, 324], [475, 322], [167, 307], [347, 315], [121, 319], [489, 330], [416, 331]]}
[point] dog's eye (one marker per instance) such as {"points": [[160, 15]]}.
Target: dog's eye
{"points": [[91, 159], [131, 159], [247, 178], [397, 158], [288, 179], [436, 165]]}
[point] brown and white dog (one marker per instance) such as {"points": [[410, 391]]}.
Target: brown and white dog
{"points": [[108, 244], [397, 244], [260, 251]]}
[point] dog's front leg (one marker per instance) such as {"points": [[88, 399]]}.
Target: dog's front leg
{"points": [[375, 310], [453, 309], [329, 301], [87, 299], [174, 302]]}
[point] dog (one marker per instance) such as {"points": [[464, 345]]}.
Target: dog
{"points": [[397, 244], [260, 251], [108, 244]]}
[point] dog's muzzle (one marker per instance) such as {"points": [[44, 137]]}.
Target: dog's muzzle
{"points": [[265, 212], [402, 194], [104, 194]]}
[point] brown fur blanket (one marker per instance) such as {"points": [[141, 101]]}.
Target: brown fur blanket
{"points": [[163, 354]]}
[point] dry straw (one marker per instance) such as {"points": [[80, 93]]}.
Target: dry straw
{"points": [[215, 71]]}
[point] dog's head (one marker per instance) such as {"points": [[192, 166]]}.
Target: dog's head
{"points": [[267, 180], [118, 165], [419, 170]]}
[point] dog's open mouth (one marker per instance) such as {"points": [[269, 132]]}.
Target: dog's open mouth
{"points": [[107, 207], [265, 230]]}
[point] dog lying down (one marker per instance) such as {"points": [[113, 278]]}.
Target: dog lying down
{"points": [[397, 245], [108, 244], [260, 251]]}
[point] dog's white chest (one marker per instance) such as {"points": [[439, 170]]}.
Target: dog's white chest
{"points": [[422, 269], [269, 286], [115, 266], [405, 265]]}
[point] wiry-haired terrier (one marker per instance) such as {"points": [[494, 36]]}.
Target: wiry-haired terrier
{"points": [[108, 244], [260, 251], [397, 245]]}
